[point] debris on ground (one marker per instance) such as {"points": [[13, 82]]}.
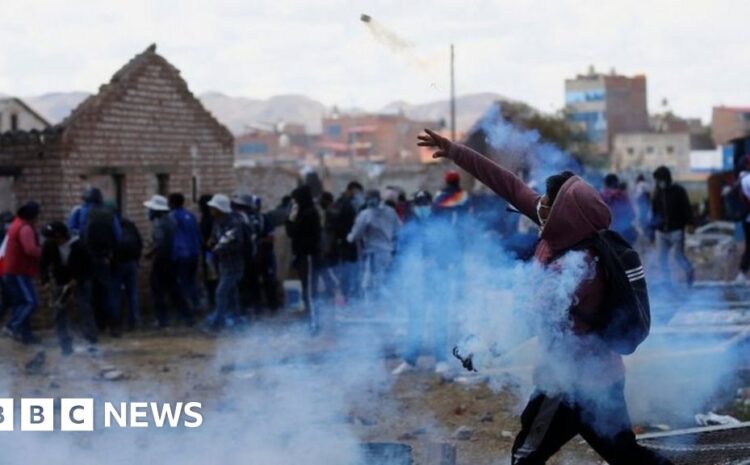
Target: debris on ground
{"points": [[36, 364], [487, 417], [463, 433], [112, 374], [507, 434], [713, 419]]}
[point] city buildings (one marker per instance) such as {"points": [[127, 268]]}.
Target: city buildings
{"points": [[16, 115], [607, 104], [729, 123]]}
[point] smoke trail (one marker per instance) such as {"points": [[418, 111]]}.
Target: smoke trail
{"points": [[395, 43]]}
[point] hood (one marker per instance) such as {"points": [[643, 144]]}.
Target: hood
{"points": [[303, 196], [578, 213], [663, 173]]}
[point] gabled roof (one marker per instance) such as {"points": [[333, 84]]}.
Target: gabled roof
{"points": [[26, 107], [121, 79]]}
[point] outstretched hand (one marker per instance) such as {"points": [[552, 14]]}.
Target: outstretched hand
{"points": [[434, 140]]}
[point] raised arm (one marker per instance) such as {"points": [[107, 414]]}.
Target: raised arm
{"points": [[504, 183]]}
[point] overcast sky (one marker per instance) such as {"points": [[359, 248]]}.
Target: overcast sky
{"points": [[695, 53]]}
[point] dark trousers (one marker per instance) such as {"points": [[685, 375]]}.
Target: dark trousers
{"points": [[163, 282], [745, 263], [307, 267], [102, 286], [23, 301], [126, 281], [601, 418], [61, 307], [186, 272]]}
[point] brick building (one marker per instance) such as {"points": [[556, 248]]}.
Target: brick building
{"points": [[607, 104], [729, 123], [143, 133]]}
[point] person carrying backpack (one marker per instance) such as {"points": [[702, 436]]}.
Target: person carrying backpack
{"points": [[99, 228], [162, 278], [579, 378], [127, 255], [186, 252]]}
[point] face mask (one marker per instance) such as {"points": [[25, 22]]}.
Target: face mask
{"points": [[423, 211], [372, 202], [662, 184], [358, 200]]}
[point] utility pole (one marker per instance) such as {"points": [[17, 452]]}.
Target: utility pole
{"points": [[453, 97]]}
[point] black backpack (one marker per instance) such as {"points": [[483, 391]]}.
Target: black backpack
{"points": [[735, 203], [626, 319], [130, 246], [98, 233]]}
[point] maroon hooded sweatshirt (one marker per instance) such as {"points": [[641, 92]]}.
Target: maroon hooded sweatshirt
{"points": [[574, 357]]}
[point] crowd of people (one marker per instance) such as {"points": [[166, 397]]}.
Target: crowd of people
{"points": [[220, 269]]}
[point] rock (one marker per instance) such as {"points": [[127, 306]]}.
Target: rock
{"points": [[487, 417], [165, 369], [460, 410], [228, 368], [54, 385], [412, 435], [463, 433], [112, 374], [506, 434], [36, 364]]}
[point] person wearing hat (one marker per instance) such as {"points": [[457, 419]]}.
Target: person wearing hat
{"points": [[243, 205], [226, 246], [161, 279], [452, 201], [66, 265], [21, 266]]}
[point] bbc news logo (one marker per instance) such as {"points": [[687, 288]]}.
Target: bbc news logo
{"points": [[38, 414]]}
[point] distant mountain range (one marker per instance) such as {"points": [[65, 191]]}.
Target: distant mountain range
{"points": [[241, 113]]}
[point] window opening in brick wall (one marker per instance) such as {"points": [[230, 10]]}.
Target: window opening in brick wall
{"points": [[162, 184], [13, 122], [118, 180]]}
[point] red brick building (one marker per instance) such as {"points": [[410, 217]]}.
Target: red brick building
{"points": [[143, 133]]}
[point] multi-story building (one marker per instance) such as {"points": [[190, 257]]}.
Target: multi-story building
{"points": [[729, 123], [16, 115], [607, 104], [375, 138], [644, 152]]}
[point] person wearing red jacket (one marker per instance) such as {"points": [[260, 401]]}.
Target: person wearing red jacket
{"points": [[21, 265], [579, 381]]}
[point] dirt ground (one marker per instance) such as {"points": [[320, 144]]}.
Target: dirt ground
{"points": [[418, 408]]}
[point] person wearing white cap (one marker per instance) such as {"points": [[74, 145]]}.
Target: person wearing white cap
{"points": [[161, 278], [226, 243]]}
